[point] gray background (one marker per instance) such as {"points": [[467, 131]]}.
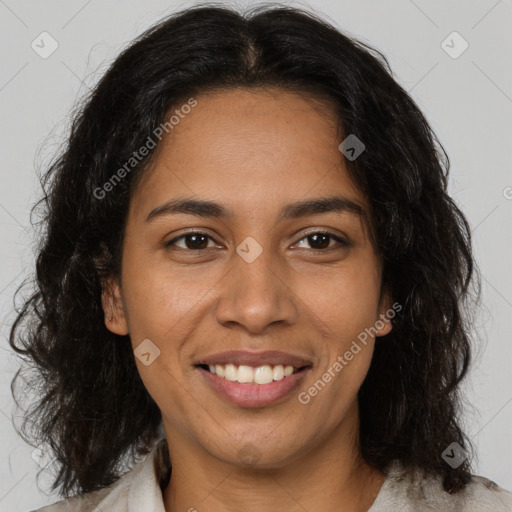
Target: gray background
{"points": [[468, 101]]}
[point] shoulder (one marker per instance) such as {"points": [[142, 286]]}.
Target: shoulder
{"points": [[480, 495], [90, 502], [137, 486], [488, 495], [410, 491]]}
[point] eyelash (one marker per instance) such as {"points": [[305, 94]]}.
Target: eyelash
{"points": [[342, 242]]}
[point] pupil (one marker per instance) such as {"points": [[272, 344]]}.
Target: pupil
{"points": [[195, 238], [315, 238]]}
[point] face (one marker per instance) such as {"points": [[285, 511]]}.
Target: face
{"points": [[261, 276]]}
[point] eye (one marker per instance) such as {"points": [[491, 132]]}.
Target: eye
{"points": [[194, 241], [320, 241]]}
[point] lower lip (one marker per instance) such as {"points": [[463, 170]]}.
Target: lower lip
{"points": [[254, 395]]}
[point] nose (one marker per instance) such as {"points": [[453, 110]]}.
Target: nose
{"points": [[256, 294]]}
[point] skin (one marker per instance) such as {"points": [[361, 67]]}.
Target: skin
{"points": [[253, 151]]}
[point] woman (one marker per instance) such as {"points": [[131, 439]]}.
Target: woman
{"points": [[252, 276]]}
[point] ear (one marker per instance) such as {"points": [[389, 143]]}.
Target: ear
{"points": [[113, 307], [383, 324]]}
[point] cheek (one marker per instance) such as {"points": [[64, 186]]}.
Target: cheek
{"points": [[346, 300], [168, 389], [156, 297]]}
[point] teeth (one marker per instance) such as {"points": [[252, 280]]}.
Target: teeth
{"points": [[279, 372], [263, 374], [247, 374], [230, 372]]}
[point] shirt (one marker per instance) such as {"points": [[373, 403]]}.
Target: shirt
{"points": [[140, 490]]}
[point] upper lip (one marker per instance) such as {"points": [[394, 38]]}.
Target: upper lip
{"points": [[267, 357]]}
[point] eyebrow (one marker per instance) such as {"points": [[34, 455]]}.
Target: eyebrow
{"points": [[205, 208]]}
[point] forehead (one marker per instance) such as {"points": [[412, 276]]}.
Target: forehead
{"points": [[251, 149]]}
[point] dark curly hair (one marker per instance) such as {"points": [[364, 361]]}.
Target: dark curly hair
{"points": [[92, 408]]}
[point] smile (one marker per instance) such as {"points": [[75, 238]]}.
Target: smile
{"points": [[247, 374], [262, 386]]}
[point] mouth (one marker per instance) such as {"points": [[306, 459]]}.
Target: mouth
{"points": [[256, 375], [257, 386]]}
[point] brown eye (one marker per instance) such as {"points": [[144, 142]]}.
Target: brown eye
{"points": [[320, 241], [194, 241]]}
